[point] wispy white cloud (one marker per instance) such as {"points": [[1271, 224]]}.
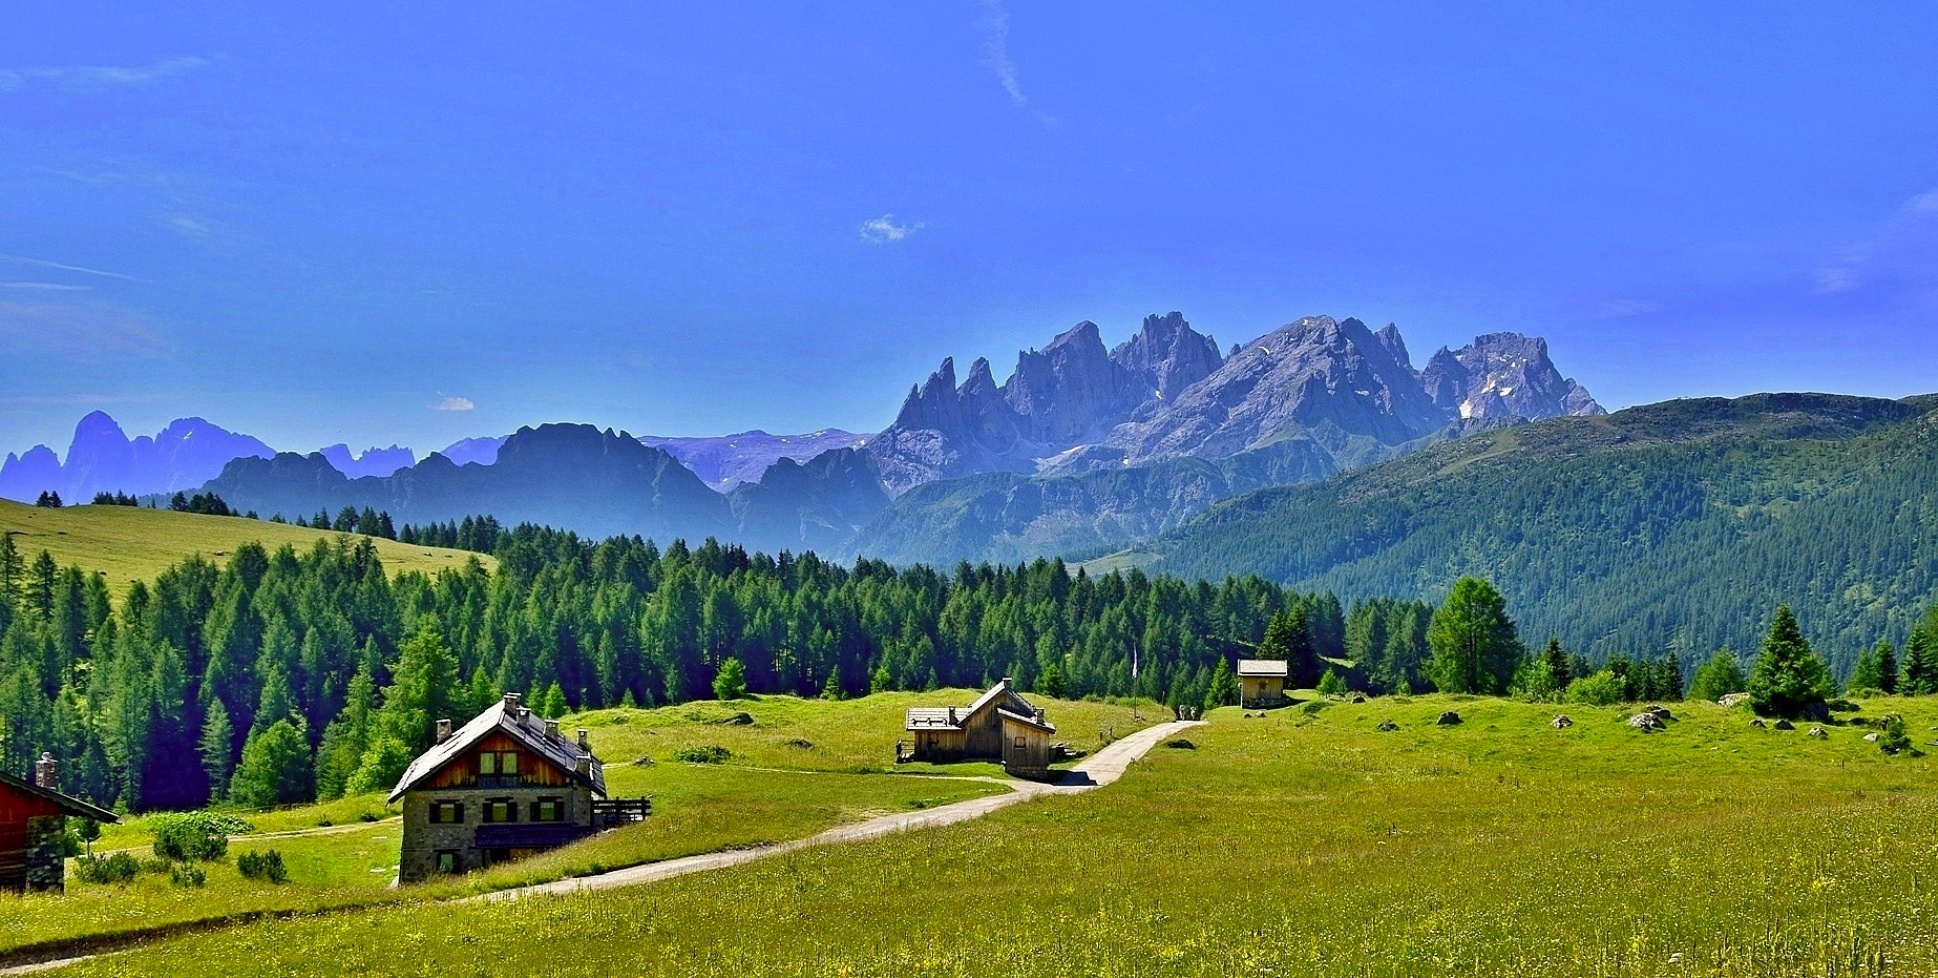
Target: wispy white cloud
{"points": [[45, 287], [996, 51], [1901, 256], [99, 76], [883, 229], [448, 403], [62, 267], [79, 330]]}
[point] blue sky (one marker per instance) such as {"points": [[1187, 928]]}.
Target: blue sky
{"points": [[701, 218]]}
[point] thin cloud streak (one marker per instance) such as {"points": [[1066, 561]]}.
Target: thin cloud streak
{"points": [[100, 76], [58, 266], [79, 330], [996, 52], [1900, 254]]}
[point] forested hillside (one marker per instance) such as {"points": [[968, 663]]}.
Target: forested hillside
{"points": [[1677, 522], [278, 676]]}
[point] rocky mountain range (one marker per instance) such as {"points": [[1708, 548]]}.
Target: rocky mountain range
{"points": [[1082, 448], [372, 461], [102, 458]]}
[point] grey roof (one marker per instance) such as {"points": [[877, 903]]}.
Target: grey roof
{"points": [[521, 725], [1027, 721], [68, 803], [937, 717], [1263, 667]]}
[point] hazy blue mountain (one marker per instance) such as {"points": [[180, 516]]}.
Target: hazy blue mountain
{"points": [[102, 458], [372, 461], [728, 460], [483, 451]]}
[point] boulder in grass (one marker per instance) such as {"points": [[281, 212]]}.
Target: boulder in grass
{"points": [[1816, 732], [1387, 726], [1870, 738], [1733, 700], [1562, 722], [1661, 712], [1783, 725], [1358, 698], [1646, 722], [1758, 722], [1448, 719]]}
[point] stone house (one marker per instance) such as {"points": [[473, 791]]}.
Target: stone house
{"points": [[999, 726], [1261, 683], [505, 786], [33, 828]]}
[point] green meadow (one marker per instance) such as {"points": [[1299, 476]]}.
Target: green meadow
{"points": [[345, 852], [1307, 841], [130, 543]]}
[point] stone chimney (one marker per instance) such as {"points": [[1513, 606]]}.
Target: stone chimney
{"points": [[585, 741], [511, 701], [585, 764], [1040, 718], [952, 716], [1005, 682], [552, 730], [47, 772], [443, 732]]}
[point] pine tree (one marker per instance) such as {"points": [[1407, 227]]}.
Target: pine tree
{"points": [[12, 569], [276, 768], [1554, 662], [425, 688], [731, 682], [1789, 678], [551, 703], [1475, 649], [1866, 674], [1920, 671], [214, 746], [1331, 685], [1887, 667], [1223, 688], [1719, 677]]}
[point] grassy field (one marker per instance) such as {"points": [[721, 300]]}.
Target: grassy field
{"points": [[847, 735], [129, 543], [770, 790], [1299, 843]]}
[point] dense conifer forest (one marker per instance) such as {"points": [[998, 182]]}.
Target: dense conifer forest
{"points": [[279, 676]]}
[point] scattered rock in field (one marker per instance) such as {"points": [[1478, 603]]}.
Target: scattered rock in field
{"points": [[1757, 722], [1561, 722], [1734, 699], [1646, 722], [1448, 719], [1815, 732], [1179, 743], [1387, 725], [644, 761], [798, 742], [738, 720], [1870, 738], [1659, 711], [1358, 698], [1783, 725]]}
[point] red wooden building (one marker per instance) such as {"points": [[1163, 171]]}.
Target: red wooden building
{"points": [[33, 828]]}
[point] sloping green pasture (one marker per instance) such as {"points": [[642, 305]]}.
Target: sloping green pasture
{"points": [[1296, 844]]}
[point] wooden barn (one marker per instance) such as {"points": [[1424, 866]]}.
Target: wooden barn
{"points": [[33, 828], [1261, 683], [507, 785], [999, 726]]}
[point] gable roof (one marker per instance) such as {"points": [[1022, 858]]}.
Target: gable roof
{"points": [[1028, 721], [68, 803], [953, 718], [521, 725], [1263, 667]]}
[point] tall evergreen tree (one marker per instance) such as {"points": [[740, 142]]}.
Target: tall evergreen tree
{"points": [[1719, 677], [276, 768], [214, 747], [425, 688], [1475, 648], [1223, 688], [1789, 678]]}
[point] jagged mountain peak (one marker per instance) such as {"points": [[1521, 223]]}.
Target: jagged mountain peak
{"points": [[1504, 375]]}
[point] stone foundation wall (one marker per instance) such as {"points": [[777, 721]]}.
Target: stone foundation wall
{"points": [[46, 853]]}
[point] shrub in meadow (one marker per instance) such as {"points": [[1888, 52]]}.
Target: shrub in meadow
{"points": [[262, 866], [189, 836], [119, 869], [706, 754]]}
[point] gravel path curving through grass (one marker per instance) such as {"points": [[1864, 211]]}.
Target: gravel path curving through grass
{"points": [[1093, 772]]}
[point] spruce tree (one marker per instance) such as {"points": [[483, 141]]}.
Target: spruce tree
{"points": [[1223, 688], [1887, 666], [731, 682], [1789, 678], [1554, 662], [1866, 674], [1719, 677], [214, 746], [1920, 671], [276, 768]]}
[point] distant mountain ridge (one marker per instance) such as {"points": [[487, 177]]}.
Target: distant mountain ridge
{"points": [[102, 458], [1082, 448]]}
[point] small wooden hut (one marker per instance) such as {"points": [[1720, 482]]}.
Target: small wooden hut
{"points": [[1261, 683]]}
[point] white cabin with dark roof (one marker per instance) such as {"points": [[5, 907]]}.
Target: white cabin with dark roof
{"points": [[999, 726], [507, 785]]}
